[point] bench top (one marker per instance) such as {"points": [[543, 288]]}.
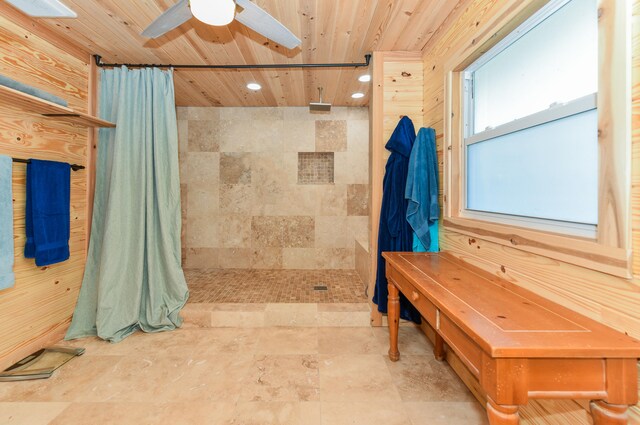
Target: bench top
{"points": [[506, 320]]}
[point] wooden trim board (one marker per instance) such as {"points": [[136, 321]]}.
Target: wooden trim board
{"points": [[396, 91]]}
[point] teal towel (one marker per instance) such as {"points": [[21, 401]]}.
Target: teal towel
{"points": [[433, 233], [7, 277], [422, 186]]}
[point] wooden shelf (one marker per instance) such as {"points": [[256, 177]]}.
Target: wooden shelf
{"points": [[15, 98]]}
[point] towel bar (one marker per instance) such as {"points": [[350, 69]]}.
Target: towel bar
{"points": [[74, 167]]}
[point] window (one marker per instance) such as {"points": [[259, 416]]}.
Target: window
{"points": [[537, 136], [531, 123]]}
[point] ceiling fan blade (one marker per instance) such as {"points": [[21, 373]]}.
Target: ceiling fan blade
{"points": [[261, 22], [173, 17]]}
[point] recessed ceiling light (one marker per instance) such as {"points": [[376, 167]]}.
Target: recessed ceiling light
{"points": [[357, 95], [43, 8], [254, 86], [364, 78]]}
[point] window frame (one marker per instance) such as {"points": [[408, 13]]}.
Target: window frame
{"points": [[584, 104], [607, 248]]}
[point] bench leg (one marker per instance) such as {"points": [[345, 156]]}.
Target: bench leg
{"points": [[393, 317], [502, 415], [608, 414], [438, 348]]}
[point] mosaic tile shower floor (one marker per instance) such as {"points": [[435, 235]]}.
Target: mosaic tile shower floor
{"points": [[274, 286]]}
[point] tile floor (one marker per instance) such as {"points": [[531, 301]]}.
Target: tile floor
{"points": [[294, 364], [273, 286]]}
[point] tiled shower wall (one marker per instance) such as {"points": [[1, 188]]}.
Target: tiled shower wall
{"points": [[273, 188]]}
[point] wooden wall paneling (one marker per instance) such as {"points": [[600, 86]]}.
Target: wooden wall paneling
{"points": [[35, 26], [426, 21], [336, 34], [283, 81], [635, 137], [27, 58], [324, 37], [308, 22], [611, 300], [355, 47], [614, 125], [397, 91], [188, 87], [37, 310], [237, 53], [342, 42], [92, 145], [264, 97], [376, 173]]}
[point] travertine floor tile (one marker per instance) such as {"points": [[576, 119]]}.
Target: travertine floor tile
{"points": [[305, 315], [226, 341], [238, 319], [172, 378], [344, 314], [358, 340], [344, 307], [146, 414], [288, 341], [277, 413], [67, 383], [233, 315], [282, 378], [364, 413], [181, 341], [344, 318], [362, 377], [222, 375], [235, 307], [423, 378], [411, 340], [29, 413], [446, 413]]}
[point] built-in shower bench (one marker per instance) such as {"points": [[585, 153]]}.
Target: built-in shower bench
{"points": [[517, 344]]}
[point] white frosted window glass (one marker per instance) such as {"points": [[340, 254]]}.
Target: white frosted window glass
{"points": [[555, 62], [547, 171]]}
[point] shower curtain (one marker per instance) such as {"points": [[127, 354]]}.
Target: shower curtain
{"points": [[133, 277]]}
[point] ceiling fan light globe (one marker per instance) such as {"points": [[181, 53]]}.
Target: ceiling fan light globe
{"points": [[213, 12]]}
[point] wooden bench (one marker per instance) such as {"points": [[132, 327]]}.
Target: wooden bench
{"points": [[517, 344]]}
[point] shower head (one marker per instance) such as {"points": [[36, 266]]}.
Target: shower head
{"points": [[319, 106]]}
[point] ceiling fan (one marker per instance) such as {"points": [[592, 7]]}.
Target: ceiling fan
{"points": [[219, 13]]}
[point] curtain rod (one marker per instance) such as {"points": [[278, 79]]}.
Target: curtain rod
{"points": [[367, 58], [74, 167]]}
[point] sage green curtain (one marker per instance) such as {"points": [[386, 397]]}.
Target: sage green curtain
{"points": [[133, 277]]}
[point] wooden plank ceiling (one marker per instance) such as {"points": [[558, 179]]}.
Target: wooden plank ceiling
{"points": [[330, 30]]}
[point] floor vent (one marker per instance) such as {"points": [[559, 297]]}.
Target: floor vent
{"points": [[320, 288]]}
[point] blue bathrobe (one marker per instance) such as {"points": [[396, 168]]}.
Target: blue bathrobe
{"points": [[395, 233], [423, 210]]}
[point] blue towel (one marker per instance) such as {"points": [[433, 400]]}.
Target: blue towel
{"points": [[422, 186], [434, 246], [7, 278], [16, 85], [47, 215]]}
